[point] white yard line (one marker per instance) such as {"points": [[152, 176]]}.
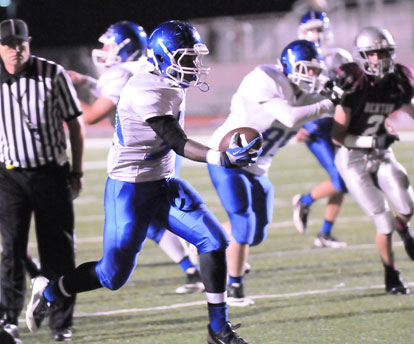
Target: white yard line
{"points": [[255, 297]]}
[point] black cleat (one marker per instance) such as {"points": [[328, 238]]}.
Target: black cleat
{"points": [[38, 308], [407, 237], [228, 336], [9, 334], [394, 283], [62, 334], [300, 214], [235, 296], [194, 283]]}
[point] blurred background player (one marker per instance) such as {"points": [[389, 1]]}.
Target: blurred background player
{"points": [[365, 159], [141, 189], [315, 27], [276, 103], [124, 43]]}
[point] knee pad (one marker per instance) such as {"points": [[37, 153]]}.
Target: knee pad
{"points": [[384, 222], [200, 228]]}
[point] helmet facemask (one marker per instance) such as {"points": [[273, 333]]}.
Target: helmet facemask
{"points": [[383, 65], [185, 65], [308, 75], [108, 55]]}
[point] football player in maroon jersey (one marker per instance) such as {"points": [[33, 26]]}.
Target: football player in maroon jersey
{"points": [[375, 86]]}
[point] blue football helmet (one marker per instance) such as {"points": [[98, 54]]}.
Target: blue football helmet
{"points": [[315, 26], [303, 64], [123, 41], [175, 48]]}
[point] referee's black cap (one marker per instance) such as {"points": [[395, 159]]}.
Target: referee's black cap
{"points": [[13, 29]]}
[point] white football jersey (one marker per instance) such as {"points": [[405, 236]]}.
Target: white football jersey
{"points": [[265, 100], [113, 80], [137, 153]]}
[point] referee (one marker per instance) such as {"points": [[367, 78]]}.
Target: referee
{"points": [[36, 98]]}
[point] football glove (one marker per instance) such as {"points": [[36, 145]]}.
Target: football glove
{"points": [[383, 141], [332, 92], [237, 155]]}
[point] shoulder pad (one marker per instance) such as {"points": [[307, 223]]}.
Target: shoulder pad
{"points": [[405, 72], [405, 81]]}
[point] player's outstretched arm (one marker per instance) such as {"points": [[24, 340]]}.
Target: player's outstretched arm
{"points": [[291, 116], [82, 79], [98, 110]]}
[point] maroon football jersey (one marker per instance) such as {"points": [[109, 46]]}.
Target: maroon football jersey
{"points": [[371, 103]]}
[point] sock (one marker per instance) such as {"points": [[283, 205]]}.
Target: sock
{"points": [[239, 280], [218, 316], [326, 227], [52, 292], [185, 263], [307, 199], [389, 267]]}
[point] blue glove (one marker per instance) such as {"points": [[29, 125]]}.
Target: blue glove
{"points": [[239, 156]]}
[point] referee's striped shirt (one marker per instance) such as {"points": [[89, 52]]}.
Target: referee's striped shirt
{"points": [[33, 106]]}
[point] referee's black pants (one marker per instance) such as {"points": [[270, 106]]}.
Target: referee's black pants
{"points": [[46, 193]]}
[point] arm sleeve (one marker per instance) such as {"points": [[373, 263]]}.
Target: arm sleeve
{"points": [[168, 128], [291, 116]]}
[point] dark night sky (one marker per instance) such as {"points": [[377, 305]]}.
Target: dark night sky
{"points": [[76, 22]]}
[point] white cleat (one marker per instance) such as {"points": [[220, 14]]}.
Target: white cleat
{"points": [[328, 240], [300, 214], [38, 308]]}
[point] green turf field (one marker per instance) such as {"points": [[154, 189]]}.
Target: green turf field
{"points": [[302, 294]]}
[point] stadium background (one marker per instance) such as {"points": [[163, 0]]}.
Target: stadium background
{"points": [[239, 33], [302, 294]]}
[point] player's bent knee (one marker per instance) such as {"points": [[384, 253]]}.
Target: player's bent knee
{"points": [[115, 281], [114, 271], [243, 228], [384, 222], [339, 185], [259, 239]]}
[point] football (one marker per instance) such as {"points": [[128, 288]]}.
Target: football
{"points": [[247, 135]]}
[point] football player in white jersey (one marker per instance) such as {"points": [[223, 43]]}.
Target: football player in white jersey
{"points": [[141, 190], [275, 102], [124, 43], [365, 159], [315, 27]]}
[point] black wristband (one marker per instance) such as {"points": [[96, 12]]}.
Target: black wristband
{"points": [[77, 175]]}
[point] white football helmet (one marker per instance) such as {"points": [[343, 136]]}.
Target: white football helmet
{"points": [[377, 40]]}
